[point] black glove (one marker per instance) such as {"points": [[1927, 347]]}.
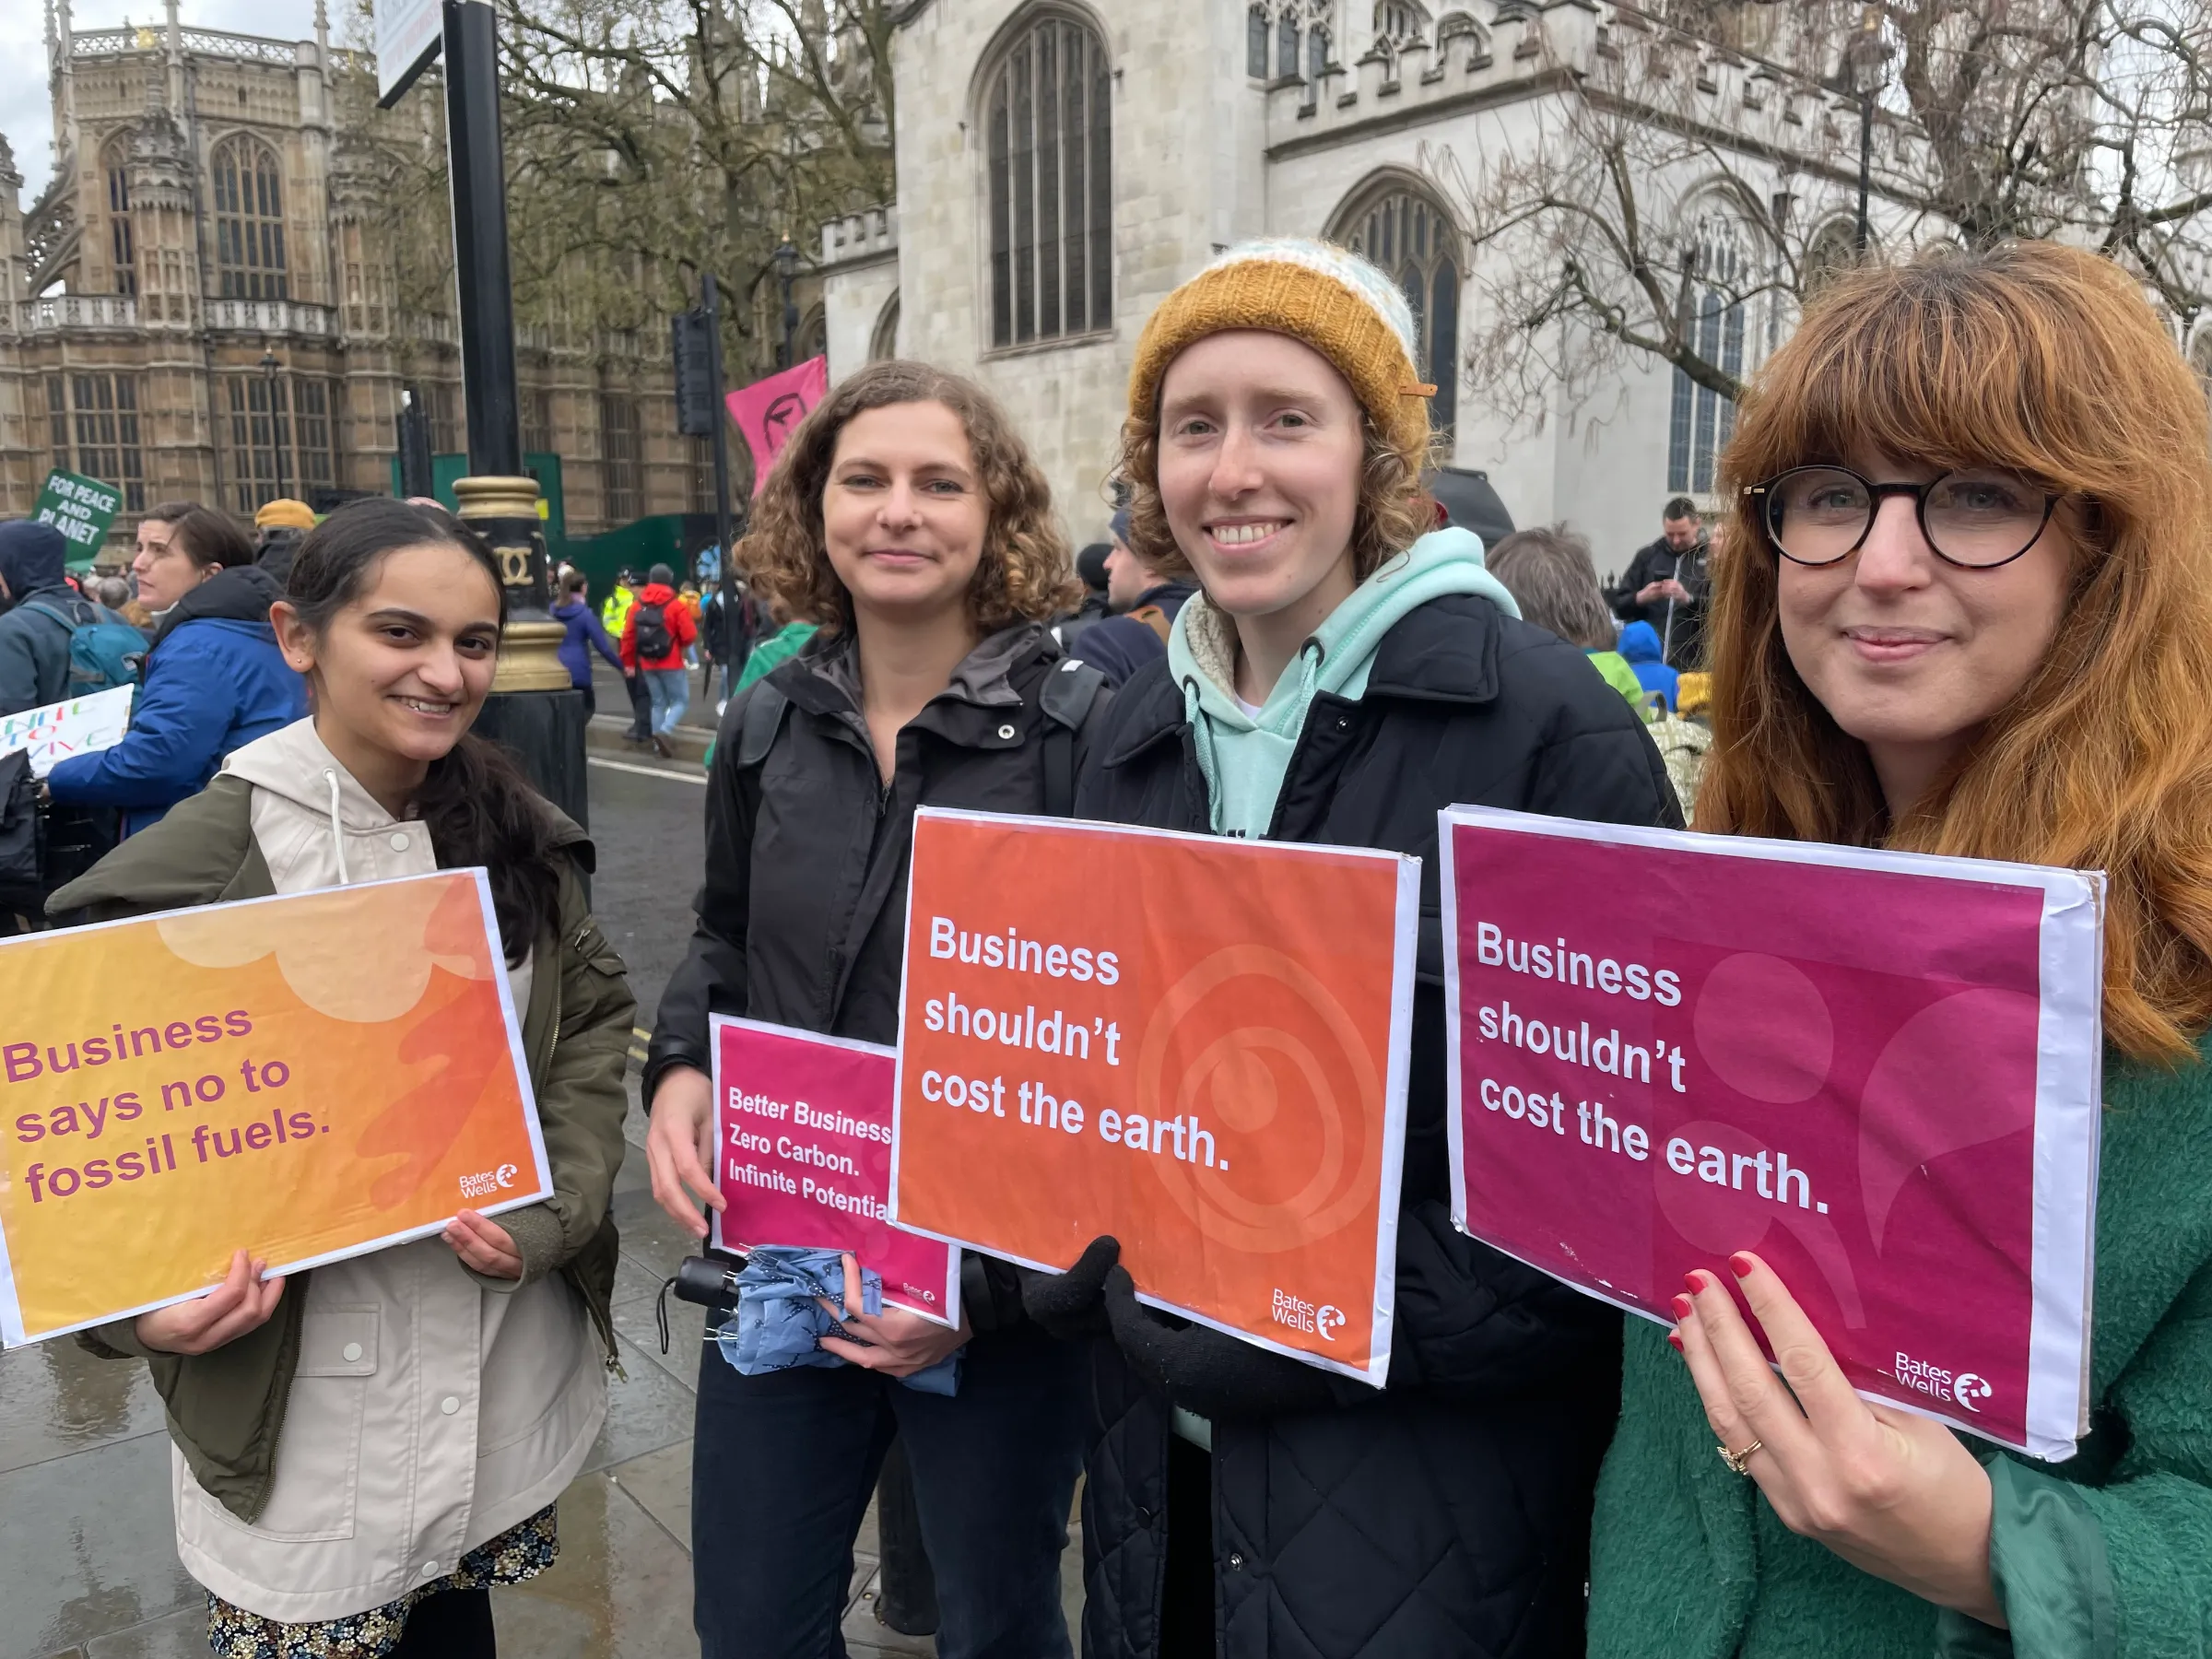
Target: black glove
{"points": [[1205, 1371], [1067, 1304]]}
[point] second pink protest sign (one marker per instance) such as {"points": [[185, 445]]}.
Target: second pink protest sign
{"points": [[1881, 1071], [803, 1155]]}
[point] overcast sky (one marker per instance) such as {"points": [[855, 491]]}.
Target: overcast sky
{"points": [[26, 110]]}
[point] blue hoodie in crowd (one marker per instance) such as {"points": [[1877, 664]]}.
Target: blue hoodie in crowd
{"points": [[215, 681], [585, 634], [34, 645], [1640, 646]]}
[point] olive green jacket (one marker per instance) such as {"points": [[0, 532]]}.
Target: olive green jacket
{"points": [[225, 1409]]}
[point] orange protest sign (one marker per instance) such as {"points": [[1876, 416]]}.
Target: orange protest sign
{"points": [[1196, 1045], [306, 1078]]}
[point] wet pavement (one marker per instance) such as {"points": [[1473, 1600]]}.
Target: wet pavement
{"points": [[89, 1565]]}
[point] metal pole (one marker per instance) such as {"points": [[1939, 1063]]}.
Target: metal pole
{"points": [[533, 709], [1865, 236], [479, 192], [710, 301]]}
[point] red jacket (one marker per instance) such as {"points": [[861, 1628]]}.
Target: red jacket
{"points": [[682, 630]]}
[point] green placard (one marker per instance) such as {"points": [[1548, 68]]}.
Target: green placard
{"points": [[80, 508]]}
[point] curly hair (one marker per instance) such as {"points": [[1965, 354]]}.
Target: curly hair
{"points": [[2047, 361], [1026, 572], [1394, 512]]}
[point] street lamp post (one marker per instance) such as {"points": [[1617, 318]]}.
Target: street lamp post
{"points": [[534, 708], [1863, 60], [276, 432], [787, 269]]}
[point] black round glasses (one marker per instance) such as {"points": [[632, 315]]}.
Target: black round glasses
{"points": [[1977, 520]]}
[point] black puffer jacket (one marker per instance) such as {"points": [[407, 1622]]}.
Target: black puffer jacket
{"points": [[818, 941], [1450, 1514]]}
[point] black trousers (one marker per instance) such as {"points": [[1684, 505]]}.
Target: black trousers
{"points": [[453, 1624]]}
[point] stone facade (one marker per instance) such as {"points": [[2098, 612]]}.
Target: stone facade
{"points": [[199, 306], [1359, 99]]}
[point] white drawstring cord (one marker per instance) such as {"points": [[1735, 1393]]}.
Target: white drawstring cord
{"points": [[338, 831]]}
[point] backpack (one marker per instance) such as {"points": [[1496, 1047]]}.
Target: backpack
{"points": [[653, 639], [1682, 745], [104, 653]]}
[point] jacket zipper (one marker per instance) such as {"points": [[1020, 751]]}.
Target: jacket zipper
{"points": [[600, 1321]]}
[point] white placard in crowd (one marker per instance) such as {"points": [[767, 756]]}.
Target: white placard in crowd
{"points": [[78, 725]]}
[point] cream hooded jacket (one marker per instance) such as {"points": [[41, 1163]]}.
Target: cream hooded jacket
{"points": [[433, 1408]]}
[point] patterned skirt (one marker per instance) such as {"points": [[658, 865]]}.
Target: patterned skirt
{"points": [[521, 1553]]}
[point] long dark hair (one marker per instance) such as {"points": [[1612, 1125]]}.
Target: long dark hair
{"points": [[476, 804], [208, 537]]}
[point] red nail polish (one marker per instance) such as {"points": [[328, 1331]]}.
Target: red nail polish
{"points": [[1741, 1262], [1693, 1281], [1684, 1307], [1677, 1340]]}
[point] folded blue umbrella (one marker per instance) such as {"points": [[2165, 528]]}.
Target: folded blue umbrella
{"points": [[780, 1321]]}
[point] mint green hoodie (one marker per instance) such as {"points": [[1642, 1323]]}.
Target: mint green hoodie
{"points": [[1244, 760]]}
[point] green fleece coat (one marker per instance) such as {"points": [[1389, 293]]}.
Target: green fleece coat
{"points": [[225, 1409], [2107, 1556]]}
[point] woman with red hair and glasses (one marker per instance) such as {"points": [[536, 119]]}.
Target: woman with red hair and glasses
{"points": [[1966, 609]]}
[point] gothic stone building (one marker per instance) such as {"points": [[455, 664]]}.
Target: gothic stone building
{"points": [[197, 306], [1063, 164]]}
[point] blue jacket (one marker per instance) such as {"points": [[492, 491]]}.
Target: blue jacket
{"points": [[1640, 645], [586, 635], [214, 681]]}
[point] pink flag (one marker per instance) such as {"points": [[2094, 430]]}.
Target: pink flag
{"points": [[770, 410]]}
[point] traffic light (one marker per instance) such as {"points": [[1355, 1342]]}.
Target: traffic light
{"points": [[694, 341]]}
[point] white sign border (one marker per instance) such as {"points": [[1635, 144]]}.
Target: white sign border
{"points": [[2068, 1085], [1376, 1370], [12, 1333], [717, 1024]]}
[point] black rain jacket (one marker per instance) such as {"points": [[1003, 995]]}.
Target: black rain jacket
{"points": [[802, 917], [1446, 1517]]}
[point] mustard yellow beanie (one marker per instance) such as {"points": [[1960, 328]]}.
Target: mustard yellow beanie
{"points": [[1316, 292]]}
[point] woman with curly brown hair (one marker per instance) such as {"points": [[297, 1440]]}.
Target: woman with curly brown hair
{"points": [[1966, 609], [1347, 671], [908, 520]]}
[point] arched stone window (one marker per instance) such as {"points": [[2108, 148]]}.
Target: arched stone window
{"points": [[1833, 250], [1048, 138], [249, 220], [1286, 42], [883, 342], [122, 247], [1717, 268], [1407, 233], [1255, 42]]}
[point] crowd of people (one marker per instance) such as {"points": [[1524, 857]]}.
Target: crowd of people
{"points": [[1960, 602]]}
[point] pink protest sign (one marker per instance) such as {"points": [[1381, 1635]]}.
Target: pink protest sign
{"points": [[803, 1154], [770, 410], [1880, 1070]]}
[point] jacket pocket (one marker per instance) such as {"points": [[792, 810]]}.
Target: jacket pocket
{"points": [[314, 1494]]}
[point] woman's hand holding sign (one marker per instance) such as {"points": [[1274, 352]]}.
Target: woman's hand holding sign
{"points": [[485, 1245], [679, 1147], [894, 1342], [1892, 1492], [243, 1302]]}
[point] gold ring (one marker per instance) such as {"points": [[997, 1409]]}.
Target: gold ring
{"points": [[1739, 1462]]}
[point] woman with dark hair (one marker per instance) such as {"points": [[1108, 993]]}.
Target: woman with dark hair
{"points": [[363, 1448], [1965, 610], [213, 678], [906, 517], [573, 609]]}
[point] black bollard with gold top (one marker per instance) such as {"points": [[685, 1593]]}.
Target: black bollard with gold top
{"points": [[533, 709]]}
